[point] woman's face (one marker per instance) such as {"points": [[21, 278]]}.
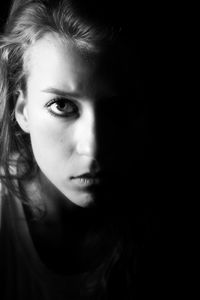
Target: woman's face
{"points": [[70, 111]]}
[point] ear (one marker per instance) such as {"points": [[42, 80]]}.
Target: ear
{"points": [[21, 114]]}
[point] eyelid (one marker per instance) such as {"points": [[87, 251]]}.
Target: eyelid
{"points": [[60, 98]]}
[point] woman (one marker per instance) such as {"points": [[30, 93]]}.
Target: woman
{"points": [[67, 146]]}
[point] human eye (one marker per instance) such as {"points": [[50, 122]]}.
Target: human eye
{"points": [[63, 107]]}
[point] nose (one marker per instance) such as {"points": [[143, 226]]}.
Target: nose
{"points": [[86, 140]]}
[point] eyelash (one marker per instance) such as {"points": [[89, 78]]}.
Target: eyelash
{"points": [[62, 101]]}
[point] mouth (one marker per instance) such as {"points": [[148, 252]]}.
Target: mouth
{"points": [[86, 180]]}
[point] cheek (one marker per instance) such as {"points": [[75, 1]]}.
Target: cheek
{"points": [[51, 141]]}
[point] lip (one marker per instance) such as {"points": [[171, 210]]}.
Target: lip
{"points": [[86, 180]]}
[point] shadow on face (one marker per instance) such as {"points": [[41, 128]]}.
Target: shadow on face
{"points": [[119, 137], [81, 111]]}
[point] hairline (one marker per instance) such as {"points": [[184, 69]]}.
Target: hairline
{"points": [[85, 48]]}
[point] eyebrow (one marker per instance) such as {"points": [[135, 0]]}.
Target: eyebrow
{"points": [[59, 92]]}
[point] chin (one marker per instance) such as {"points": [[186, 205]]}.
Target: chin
{"points": [[86, 201], [82, 199]]}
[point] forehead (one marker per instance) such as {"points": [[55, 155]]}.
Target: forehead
{"points": [[52, 61]]}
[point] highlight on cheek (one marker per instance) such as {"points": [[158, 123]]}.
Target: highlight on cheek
{"points": [[62, 107]]}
